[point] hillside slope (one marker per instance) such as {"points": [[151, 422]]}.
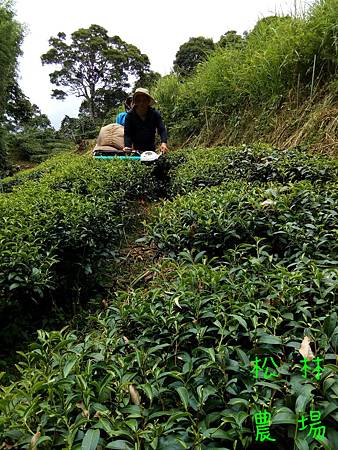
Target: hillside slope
{"points": [[279, 87]]}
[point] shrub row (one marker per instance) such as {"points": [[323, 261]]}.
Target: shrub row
{"points": [[287, 220], [172, 366], [191, 169], [64, 222], [42, 228], [188, 169], [9, 183], [85, 175]]}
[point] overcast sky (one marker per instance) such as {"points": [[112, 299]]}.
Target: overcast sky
{"points": [[156, 27]]}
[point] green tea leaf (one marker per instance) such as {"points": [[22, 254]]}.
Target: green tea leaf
{"points": [[90, 440], [301, 443], [184, 396], [238, 401], [330, 324], [268, 339], [240, 320], [216, 433], [70, 363], [332, 367], [284, 416], [120, 445]]}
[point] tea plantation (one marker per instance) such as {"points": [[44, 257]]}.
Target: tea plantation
{"points": [[227, 341]]}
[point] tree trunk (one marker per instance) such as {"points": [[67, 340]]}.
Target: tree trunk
{"points": [[92, 108]]}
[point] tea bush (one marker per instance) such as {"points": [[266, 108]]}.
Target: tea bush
{"points": [[191, 169], [186, 360], [87, 176], [171, 366], [42, 229], [7, 184], [61, 218], [288, 220]]}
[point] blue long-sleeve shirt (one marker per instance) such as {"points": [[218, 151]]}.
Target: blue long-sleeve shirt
{"points": [[141, 133], [120, 118]]}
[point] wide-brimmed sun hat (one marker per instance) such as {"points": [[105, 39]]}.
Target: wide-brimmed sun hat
{"points": [[144, 91]]}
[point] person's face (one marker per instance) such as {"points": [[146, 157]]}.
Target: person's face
{"points": [[141, 102]]}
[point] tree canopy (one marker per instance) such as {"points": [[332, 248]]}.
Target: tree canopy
{"points": [[21, 113], [230, 38], [147, 80], [191, 53], [10, 39], [94, 66]]}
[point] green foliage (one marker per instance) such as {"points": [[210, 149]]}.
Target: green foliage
{"points": [[30, 135], [36, 145], [61, 219], [147, 80], [321, 30], [80, 128], [289, 222], [42, 228], [279, 55], [10, 39], [171, 366], [19, 110], [230, 38], [3, 151], [191, 53], [194, 168], [165, 92], [105, 100], [21, 113], [94, 66], [7, 184]]}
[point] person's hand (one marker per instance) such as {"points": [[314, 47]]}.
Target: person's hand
{"points": [[164, 148]]}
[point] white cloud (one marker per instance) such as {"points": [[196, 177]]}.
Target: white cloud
{"points": [[156, 28]]}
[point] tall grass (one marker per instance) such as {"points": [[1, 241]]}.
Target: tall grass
{"points": [[280, 54]]}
